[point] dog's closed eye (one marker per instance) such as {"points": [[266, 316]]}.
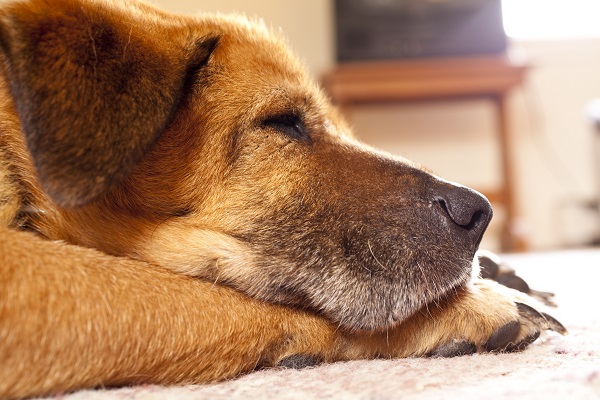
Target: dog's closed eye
{"points": [[290, 125]]}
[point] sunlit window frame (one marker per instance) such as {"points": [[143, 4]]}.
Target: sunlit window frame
{"points": [[551, 19]]}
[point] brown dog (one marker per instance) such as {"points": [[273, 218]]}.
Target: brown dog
{"points": [[180, 203]]}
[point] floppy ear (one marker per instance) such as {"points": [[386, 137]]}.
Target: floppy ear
{"points": [[94, 87]]}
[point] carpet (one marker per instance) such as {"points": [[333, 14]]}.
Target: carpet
{"points": [[554, 367]]}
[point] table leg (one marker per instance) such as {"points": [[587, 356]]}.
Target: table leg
{"points": [[513, 236]]}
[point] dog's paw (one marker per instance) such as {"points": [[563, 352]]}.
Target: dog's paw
{"points": [[487, 317], [513, 336]]}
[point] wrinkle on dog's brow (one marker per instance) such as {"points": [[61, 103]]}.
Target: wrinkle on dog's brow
{"points": [[283, 99], [128, 42], [233, 152], [95, 64], [182, 212]]}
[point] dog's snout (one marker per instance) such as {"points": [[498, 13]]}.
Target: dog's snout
{"points": [[466, 208]]}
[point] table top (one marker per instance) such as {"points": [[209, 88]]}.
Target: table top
{"points": [[373, 81]]}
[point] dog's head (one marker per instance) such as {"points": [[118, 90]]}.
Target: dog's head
{"points": [[201, 145]]}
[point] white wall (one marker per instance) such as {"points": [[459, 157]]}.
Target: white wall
{"points": [[306, 23], [558, 154]]}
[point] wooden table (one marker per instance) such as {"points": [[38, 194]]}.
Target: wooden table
{"points": [[492, 77]]}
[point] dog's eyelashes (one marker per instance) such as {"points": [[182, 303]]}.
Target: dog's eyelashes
{"points": [[288, 124]]}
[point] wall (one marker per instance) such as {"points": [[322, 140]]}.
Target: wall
{"points": [[306, 24], [558, 151]]}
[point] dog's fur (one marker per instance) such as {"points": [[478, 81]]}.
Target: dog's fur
{"points": [[180, 203]]}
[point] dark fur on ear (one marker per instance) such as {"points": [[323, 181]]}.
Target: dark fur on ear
{"points": [[94, 89]]}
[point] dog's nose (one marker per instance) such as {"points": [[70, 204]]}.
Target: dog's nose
{"points": [[465, 208]]}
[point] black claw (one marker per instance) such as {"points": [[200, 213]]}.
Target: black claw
{"points": [[455, 348], [503, 336], [488, 267], [531, 314], [543, 320], [513, 281], [555, 325], [544, 297], [299, 361]]}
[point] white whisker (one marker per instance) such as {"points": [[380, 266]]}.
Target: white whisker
{"points": [[374, 257]]}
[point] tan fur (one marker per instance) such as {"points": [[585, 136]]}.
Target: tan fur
{"points": [[153, 216]]}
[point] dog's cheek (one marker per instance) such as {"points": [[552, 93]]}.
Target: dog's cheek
{"points": [[341, 231]]}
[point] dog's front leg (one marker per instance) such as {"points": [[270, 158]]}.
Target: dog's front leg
{"points": [[75, 318]]}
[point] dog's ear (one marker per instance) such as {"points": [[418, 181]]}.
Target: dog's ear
{"points": [[94, 88]]}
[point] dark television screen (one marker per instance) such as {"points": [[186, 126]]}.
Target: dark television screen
{"points": [[398, 29]]}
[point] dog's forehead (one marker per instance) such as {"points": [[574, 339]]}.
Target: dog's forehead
{"points": [[256, 75], [250, 53], [250, 37]]}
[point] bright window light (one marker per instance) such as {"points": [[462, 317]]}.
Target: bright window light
{"points": [[551, 19]]}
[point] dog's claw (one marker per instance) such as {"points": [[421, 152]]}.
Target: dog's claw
{"points": [[542, 320], [488, 267], [544, 297], [531, 314], [554, 325]]}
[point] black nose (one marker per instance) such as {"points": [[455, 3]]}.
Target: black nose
{"points": [[465, 208]]}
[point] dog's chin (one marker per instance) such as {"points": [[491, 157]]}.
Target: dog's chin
{"points": [[387, 311], [374, 304]]}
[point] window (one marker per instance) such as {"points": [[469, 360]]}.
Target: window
{"points": [[551, 19]]}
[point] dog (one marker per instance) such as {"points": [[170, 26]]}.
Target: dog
{"points": [[180, 203]]}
